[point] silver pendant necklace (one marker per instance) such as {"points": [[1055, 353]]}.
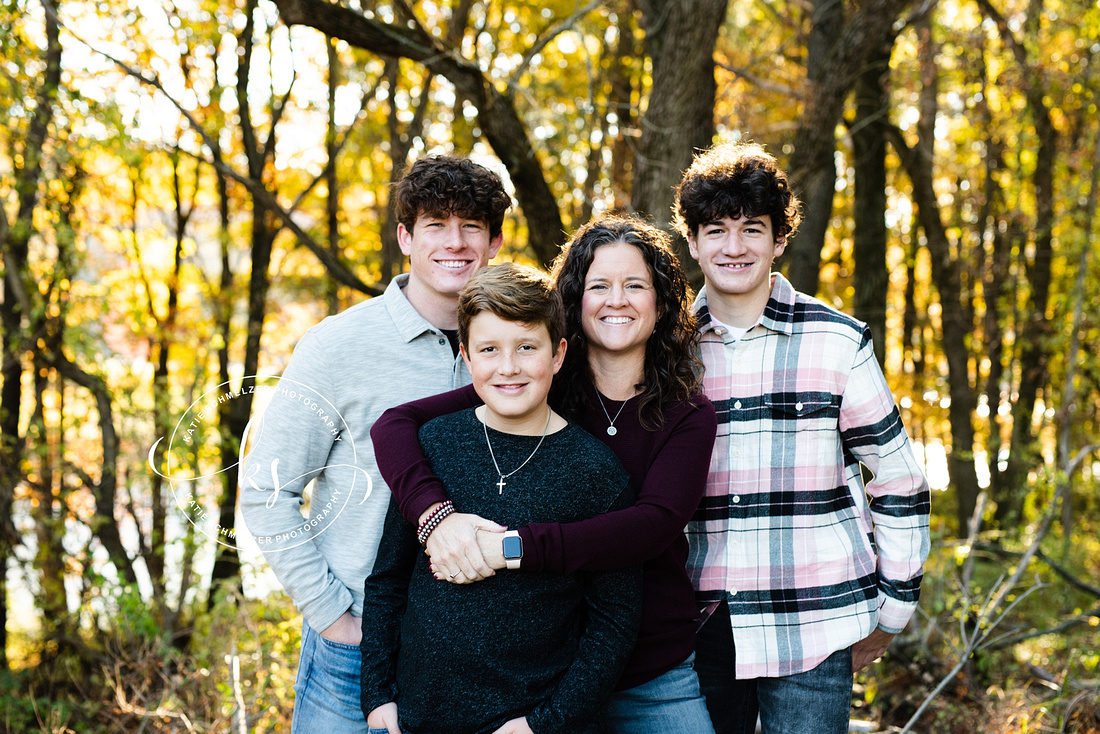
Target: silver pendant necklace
{"points": [[501, 483], [611, 429]]}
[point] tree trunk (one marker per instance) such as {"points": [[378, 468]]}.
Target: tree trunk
{"points": [[956, 325], [401, 140], [996, 284], [332, 181], [5, 553], [15, 307], [680, 39], [871, 278], [957, 322], [914, 347], [152, 552], [233, 414], [621, 83], [838, 54], [815, 182], [105, 491], [49, 526], [998, 290], [11, 443], [224, 327], [1067, 412], [392, 259], [1035, 333]]}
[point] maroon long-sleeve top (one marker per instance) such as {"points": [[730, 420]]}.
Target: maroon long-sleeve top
{"points": [[668, 470]]}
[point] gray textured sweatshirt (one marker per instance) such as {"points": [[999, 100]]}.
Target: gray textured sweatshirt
{"points": [[344, 373]]}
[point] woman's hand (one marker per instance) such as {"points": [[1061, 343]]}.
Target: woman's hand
{"points": [[492, 549], [455, 551]]}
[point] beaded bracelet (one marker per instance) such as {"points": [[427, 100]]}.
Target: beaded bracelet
{"points": [[432, 521], [443, 507]]}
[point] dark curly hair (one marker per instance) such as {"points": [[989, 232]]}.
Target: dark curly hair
{"points": [[672, 368], [734, 180], [441, 185]]}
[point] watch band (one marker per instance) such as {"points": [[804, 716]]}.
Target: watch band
{"points": [[512, 546]]}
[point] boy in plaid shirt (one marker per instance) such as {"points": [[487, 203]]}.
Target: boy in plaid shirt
{"points": [[805, 574]]}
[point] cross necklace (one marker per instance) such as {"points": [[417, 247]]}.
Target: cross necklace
{"points": [[503, 476]]}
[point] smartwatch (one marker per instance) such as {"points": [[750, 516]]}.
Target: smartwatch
{"points": [[513, 549]]}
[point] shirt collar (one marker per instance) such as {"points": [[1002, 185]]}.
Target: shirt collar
{"points": [[410, 324], [778, 313]]}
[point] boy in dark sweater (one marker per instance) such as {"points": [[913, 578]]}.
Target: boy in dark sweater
{"points": [[518, 652]]}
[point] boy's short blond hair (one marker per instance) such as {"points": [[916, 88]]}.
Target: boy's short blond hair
{"points": [[514, 293]]}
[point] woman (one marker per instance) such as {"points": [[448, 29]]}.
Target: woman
{"points": [[631, 378]]}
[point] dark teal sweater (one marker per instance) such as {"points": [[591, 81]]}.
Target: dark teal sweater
{"points": [[548, 646]]}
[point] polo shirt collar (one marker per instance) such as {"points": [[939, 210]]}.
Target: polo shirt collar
{"points": [[408, 321], [778, 313]]}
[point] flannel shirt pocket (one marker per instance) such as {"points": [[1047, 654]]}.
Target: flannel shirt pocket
{"points": [[811, 420]]}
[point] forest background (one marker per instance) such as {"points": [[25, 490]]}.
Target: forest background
{"points": [[186, 187]]}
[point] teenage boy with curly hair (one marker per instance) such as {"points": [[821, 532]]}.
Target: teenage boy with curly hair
{"points": [[805, 572]]}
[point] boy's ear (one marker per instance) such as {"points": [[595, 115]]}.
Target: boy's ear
{"points": [[494, 245], [465, 356], [404, 239], [693, 247], [559, 355], [780, 244]]}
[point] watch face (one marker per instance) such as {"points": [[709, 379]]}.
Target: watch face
{"points": [[513, 547]]}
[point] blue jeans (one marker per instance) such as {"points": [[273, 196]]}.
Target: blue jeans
{"points": [[326, 692], [817, 700], [671, 702]]}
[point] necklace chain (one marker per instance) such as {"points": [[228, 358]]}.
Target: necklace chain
{"points": [[503, 476], [611, 429]]}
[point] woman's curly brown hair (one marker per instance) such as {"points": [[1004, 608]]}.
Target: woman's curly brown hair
{"points": [[672, 368]]}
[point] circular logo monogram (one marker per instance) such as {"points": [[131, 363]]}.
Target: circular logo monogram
{"points": [[279, 510]]}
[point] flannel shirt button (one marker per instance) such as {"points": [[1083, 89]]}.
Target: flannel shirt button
{"points": [[737, 452], [737, 405], [736, 498], [733, 592], [798, 406]]}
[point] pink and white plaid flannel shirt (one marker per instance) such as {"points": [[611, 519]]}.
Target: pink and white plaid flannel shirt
{"points": [[809, 560]]}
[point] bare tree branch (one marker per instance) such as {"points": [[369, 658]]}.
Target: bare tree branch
{"points": [[105, 490], [1004, 642], [549, 35], [498, 119], [760, 82], [331, 163], [336, 268], [1062, 571]]}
